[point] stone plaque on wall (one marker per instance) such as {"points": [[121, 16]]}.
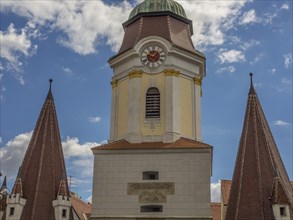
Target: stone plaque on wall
{"points": [[151, 192]]}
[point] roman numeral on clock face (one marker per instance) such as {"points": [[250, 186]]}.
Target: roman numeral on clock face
{"points": [[153, 56]]}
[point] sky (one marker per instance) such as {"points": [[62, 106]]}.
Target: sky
{"points": [[71, 42]]}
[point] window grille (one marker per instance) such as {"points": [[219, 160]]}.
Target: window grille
{"points": [[153, 103]]}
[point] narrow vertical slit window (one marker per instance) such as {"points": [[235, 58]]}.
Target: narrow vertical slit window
{"points": [[64, 213], [11, 211], [282, 211], [153, 103]]}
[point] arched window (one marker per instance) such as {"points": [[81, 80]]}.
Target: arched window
{"points": [[152, 103]]}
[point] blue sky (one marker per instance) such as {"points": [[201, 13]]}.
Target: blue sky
{"points": [[71, 41]]}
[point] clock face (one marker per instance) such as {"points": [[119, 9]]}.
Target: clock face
{"points": [[153, 56]]}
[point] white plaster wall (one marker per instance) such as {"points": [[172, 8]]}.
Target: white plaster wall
{"points": [[188, 169]]}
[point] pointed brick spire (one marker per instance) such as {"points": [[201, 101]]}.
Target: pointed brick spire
{"points": [[63, 188], [43, 166], [17, 188], [257, 166], [278, 194]]}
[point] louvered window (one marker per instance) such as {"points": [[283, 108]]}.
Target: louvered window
{"points": [[153, 103]]}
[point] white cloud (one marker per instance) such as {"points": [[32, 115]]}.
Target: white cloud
{"points": [[281, 123], [78, 157], [228, 69], [249, 17], [230, 56], [85, 23], [72, 148], [211, 19], [12, 154], [91, 18], [257, 85], [94, 119], [285, 6], [67, 71], [287, 60], [249, 44], [256, 59], [268, 17], [216, 191], [14, 45]]}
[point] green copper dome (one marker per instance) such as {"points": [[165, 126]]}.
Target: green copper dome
{"points": [[157, 6]]}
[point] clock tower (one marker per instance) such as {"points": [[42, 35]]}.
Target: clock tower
{"points": [[157, 77], [155, 164]]}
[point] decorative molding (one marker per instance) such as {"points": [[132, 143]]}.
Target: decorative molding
{"points": [[135, 74], [171, 73], [114, 83], [151, 192]]}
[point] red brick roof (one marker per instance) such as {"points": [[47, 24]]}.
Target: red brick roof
{"points": [[216, 211], [80, 207], [182, 143], [257, 165], [43, 166]]}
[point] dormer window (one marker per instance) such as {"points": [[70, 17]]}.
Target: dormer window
{"points": [[283, 211], [152, 103]]}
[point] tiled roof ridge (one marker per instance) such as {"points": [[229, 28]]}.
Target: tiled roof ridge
{"points": [[17, 188], [150, 145], [278, 195], [80, 200], [63, 190]]}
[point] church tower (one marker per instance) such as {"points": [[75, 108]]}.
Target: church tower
{"points": [[155, 164], [156, 87]]}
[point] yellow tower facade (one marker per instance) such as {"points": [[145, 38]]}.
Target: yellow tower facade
{"points": [[156, 87]]}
